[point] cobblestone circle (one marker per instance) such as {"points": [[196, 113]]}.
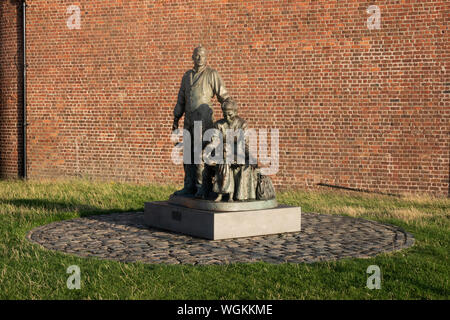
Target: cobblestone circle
{"points": [[123, 237]]}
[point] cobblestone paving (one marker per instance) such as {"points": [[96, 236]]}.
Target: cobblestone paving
{"points": [[123, 237]]}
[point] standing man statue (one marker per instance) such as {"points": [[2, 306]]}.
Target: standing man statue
{"points": [[198, 86]]}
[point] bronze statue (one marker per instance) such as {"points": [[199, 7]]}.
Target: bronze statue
{"points": [[198, 86], [224, 194], [234, 178]]}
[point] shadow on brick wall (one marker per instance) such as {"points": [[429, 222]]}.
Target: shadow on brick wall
{"points": [[11, 162], [15, 163], [1, 93]]}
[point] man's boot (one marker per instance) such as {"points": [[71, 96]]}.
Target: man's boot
{"points": [[189, 188]]}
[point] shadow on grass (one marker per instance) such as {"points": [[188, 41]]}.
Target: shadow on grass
{"points": [[87, 212], [83, 209]]}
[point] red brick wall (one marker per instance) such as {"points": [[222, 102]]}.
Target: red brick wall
{"points": [[10, 89], [357, 108]]}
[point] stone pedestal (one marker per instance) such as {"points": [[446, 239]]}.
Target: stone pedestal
{"points": [[217, 225]]}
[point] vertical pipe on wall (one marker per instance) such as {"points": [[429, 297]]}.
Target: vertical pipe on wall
{"points": [[24, 98]]}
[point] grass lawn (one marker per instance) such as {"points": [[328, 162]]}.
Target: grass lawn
{"points": [[29, 272]]}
